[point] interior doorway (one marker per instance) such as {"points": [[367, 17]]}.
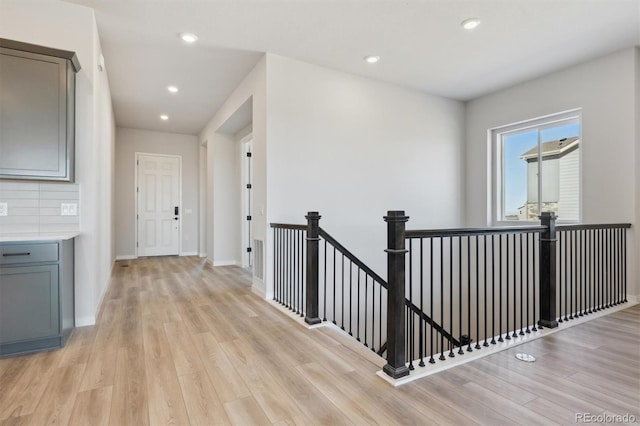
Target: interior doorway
{"points": [[158, 204]]}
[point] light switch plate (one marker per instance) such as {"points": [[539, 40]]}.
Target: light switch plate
{"points": [[69, 209], [4, 210]]}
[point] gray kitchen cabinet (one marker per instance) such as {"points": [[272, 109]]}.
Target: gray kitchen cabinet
{"points": [[36, 296], [37, 112]]}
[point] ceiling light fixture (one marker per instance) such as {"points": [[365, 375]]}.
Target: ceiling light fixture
{"points": [[470, 24], [164, 117], [189, 37], [371, 59], [172, 89]]}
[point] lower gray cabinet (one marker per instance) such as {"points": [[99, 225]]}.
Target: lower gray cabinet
{"points": [[36, 296]]}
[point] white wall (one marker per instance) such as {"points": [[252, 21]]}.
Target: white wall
{"points": [[72, 27], [353, 148], [605, 89], [130, 141]]}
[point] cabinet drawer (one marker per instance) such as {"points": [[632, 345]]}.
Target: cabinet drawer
{"points": [[28, 253]]}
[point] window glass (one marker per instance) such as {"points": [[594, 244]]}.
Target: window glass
{"points": [[539, 169]]}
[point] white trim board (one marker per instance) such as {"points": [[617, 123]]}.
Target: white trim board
{"points": [[189, 253], [225, 263], [126, 257]]}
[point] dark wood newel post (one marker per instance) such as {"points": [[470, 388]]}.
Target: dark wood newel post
{"points": [[311, 302], [396, 252], [548, 271]]}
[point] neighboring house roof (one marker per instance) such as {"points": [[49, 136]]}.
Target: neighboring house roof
{"points": [[555, 149]]}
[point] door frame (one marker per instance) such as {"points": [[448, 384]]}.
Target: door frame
{"points": [[135, 196], [246, 203]]}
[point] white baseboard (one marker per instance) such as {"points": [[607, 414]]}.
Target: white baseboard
{"points": [[126, 257], [85, 321], [225, 263], [633, 299], [259, 290], [202, 254], [189, 253]]}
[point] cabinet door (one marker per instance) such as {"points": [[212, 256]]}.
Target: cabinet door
{"points": [[33, 116], [28, 303]]}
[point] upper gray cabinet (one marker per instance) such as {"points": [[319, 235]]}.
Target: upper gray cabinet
{"points": [[37, 112]]}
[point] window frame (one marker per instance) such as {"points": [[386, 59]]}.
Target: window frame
{"points": [[495, 136]]}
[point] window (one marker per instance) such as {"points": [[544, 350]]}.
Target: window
{"points": [[538, 168]]}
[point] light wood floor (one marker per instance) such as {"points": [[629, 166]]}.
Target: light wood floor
{"points": [[180, 343]]}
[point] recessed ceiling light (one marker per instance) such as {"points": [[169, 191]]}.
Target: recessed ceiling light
{"points": [[470, 24], [172, 89], [371, 59], [164, 117], [189, 37]]}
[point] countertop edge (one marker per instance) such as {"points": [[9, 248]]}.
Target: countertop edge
{"points": [[44, 236]]}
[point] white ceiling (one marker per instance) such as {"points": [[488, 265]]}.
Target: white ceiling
{"points": [[420, 41]]}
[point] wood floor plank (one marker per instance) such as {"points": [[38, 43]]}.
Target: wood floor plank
{"points": [[246, 411], [130, 402], [92, 407], [202, 402], [58, 399], [227, 381]]}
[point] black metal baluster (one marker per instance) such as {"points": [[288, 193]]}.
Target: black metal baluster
{"points": [[441, 358], [528, 275], [342, 294], [276, 256], [515, 280], [366, 297], [333, 319], [380, 316], [358, 309], [617, 234], [484, 283], [299, 286], [585, 267], [597, 266], [609, 268], [350, 281], [431, 360], [469, 349], [500, 338], [410, 334], [342, 282], [535, 284], [583, 281], [566, 274], [571, 270], [587, 258], [351, 302], [460, 350], [451, 354], [373, 313], [324, 315], [624, 265], [477, 294], [560, 267], [421, 338], [289, 269], [493, 290], [521, 333], [579, 277], [508, 335]]}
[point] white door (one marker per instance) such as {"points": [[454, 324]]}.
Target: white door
{"points": [[158, 205]]}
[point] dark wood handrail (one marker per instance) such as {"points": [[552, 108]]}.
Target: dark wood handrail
{"points": [[288, 226], [580, 227], [430, 233]]}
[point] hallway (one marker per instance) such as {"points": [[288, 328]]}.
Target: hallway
{"points": [[179, 342]]}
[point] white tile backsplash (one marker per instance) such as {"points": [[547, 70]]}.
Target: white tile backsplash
{"points": [[35, 207]]}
